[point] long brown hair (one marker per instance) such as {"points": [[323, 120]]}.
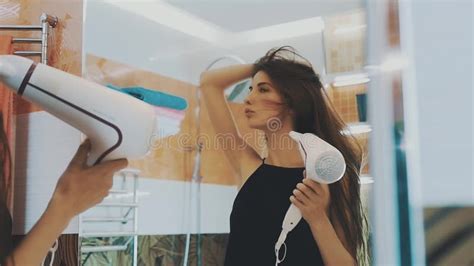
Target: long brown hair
{"points": [[6, 243], [304, 94]]}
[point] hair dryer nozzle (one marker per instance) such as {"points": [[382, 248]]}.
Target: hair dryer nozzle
{"points": [[13, 70], [323, 162]]}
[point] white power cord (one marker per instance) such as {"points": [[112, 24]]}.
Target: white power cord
{"points": [[277, 253], [53, 252], [278, 245]]}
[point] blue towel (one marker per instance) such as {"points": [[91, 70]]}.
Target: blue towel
{"points": [[153, 97], [239, 92]]}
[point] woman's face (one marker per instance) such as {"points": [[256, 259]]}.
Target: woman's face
{"points": [[264, 106]]}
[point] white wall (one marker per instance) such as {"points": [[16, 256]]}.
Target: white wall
{"points": [[125, 37], [132, 39], [309, 46], [165, 207], [443, 32], [44, 147]]}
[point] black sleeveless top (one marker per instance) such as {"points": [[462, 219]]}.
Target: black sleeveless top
{"points": [[257, 216], [6, 241]]}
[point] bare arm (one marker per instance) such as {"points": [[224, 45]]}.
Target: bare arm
{"points": [[36, 244], [331, 244], [312, 199], [224, 77], [79, 188], [212, 84]]}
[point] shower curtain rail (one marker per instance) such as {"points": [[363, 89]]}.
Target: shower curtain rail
{"points": [[46, 22]]}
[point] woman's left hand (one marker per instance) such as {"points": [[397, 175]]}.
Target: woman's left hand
{"points": [[312, 199]]}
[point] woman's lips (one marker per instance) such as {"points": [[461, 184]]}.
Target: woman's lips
{"points": [[249, 112]]}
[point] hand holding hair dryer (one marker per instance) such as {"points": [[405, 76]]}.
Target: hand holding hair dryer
{"points": [[323, 164], [119, 126]]}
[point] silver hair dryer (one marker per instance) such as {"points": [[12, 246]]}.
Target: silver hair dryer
{"points": [[119, 126]]}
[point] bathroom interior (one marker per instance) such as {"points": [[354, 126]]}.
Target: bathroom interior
{"points": [[172, 206]]}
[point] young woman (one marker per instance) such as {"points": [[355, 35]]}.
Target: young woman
{"points": [[79, 188], [287, 95]]}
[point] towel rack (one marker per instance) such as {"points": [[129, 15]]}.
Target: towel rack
{"points": [[47, 22], [117, 216]]}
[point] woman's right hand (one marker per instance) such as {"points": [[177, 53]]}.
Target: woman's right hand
{"points": [[80, 186]]}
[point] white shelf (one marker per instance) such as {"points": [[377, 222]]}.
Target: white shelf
{"points": [[119, 204], [87, 249], [365, 180], [108, 234], [330, 78], [357, 128], [106, 219]]}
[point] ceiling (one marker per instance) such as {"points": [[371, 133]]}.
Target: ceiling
{"points": [[243, 15], [160, 35]]}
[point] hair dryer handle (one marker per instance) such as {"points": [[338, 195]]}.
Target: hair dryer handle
{"points": [[100, 152], [93, 156], [292, 218]]}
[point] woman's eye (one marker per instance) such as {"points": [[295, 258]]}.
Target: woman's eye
{"points": [[262, 89]]}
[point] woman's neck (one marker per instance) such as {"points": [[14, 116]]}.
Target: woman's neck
{"points": [[283, 150]]}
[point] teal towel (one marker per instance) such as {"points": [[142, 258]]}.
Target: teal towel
{"points": [[239, 92], [153, 97]]}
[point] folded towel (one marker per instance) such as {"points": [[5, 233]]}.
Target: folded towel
{"points": [[171, 113], [154, 97]]}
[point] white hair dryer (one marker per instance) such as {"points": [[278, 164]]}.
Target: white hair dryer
{"points": [[119, 126], [323, 164]]}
